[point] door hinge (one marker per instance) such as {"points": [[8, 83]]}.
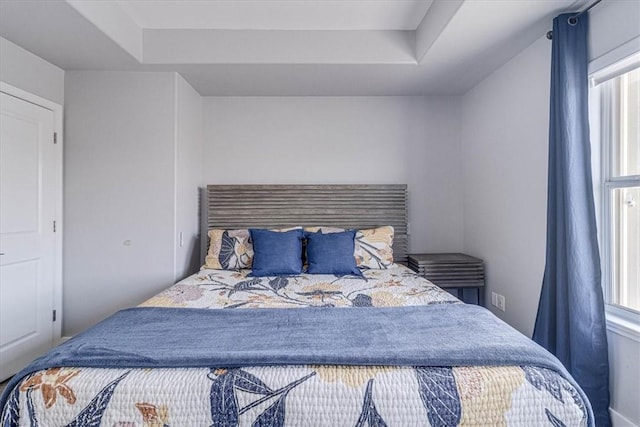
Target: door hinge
{"points": [[54, 226], [54, 315], [55, 137]]}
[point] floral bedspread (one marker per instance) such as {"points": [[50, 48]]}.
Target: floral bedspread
{"points": [[297, 395], [393, 287]]}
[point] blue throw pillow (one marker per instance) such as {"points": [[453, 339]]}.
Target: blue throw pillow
{"points": [[276, 253], [332, 253]]}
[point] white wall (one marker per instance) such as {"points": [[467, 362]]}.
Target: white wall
{"points": [[29, 72], [504, 156], [331, 140], [119, 188], [504, 146], [133, 165], [612, 24], [624, 372], [188, 177]]}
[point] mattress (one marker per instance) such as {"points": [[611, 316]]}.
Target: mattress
{"points": [[304, 395]]}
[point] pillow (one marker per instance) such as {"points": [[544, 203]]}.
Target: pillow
{"points": [[331, 253], [323, 230], [229, 250], [373, 248], [276, 253]]}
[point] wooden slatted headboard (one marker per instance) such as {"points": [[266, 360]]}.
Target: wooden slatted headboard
{"points": [[278, 206]]}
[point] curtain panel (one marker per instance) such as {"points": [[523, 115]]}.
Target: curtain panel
{"points": [[571, 319]]}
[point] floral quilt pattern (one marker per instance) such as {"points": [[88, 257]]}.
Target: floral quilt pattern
{"points": [[297, 395], [392, 287]]}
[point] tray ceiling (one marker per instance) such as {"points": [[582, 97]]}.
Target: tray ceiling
{"points": [[277, 14], [287, 47]]}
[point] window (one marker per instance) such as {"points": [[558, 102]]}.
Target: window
{"points": [[618, 90]]}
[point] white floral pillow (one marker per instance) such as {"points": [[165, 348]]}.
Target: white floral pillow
{"points": [[373, 248], [229, 250]]}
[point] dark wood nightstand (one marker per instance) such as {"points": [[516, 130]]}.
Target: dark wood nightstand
{"points": [[451, 271]]}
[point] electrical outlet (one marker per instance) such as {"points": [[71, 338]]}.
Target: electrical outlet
{"points": [[181, 239], [502, 304]]}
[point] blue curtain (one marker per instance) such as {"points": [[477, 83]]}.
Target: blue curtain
{"points": [[570, 321]]}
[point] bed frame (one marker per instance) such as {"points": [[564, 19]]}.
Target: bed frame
{"points": [[278, 206]]}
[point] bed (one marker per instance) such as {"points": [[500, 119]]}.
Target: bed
{"points": [[215, 310]]}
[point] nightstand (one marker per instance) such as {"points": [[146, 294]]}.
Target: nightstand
{"points": [[451, 271]]}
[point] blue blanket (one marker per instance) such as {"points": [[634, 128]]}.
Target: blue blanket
{"points": [[436, 335]]}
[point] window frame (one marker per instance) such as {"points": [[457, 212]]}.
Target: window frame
{"points": [[620, 317]]}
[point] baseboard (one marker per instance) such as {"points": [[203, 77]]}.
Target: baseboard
{"points": [[619, 420], [64, 339]]}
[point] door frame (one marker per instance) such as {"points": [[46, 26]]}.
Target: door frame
{"points": [[58, 159]]}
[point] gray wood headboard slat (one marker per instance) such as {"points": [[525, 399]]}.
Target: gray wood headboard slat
{"points": [[276, 206]]}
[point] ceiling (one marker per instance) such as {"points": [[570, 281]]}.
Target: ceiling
{"points": [[287, 47], [277, 14]]}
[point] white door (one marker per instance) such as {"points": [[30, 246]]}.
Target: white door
{"points": [[27, 239]]}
